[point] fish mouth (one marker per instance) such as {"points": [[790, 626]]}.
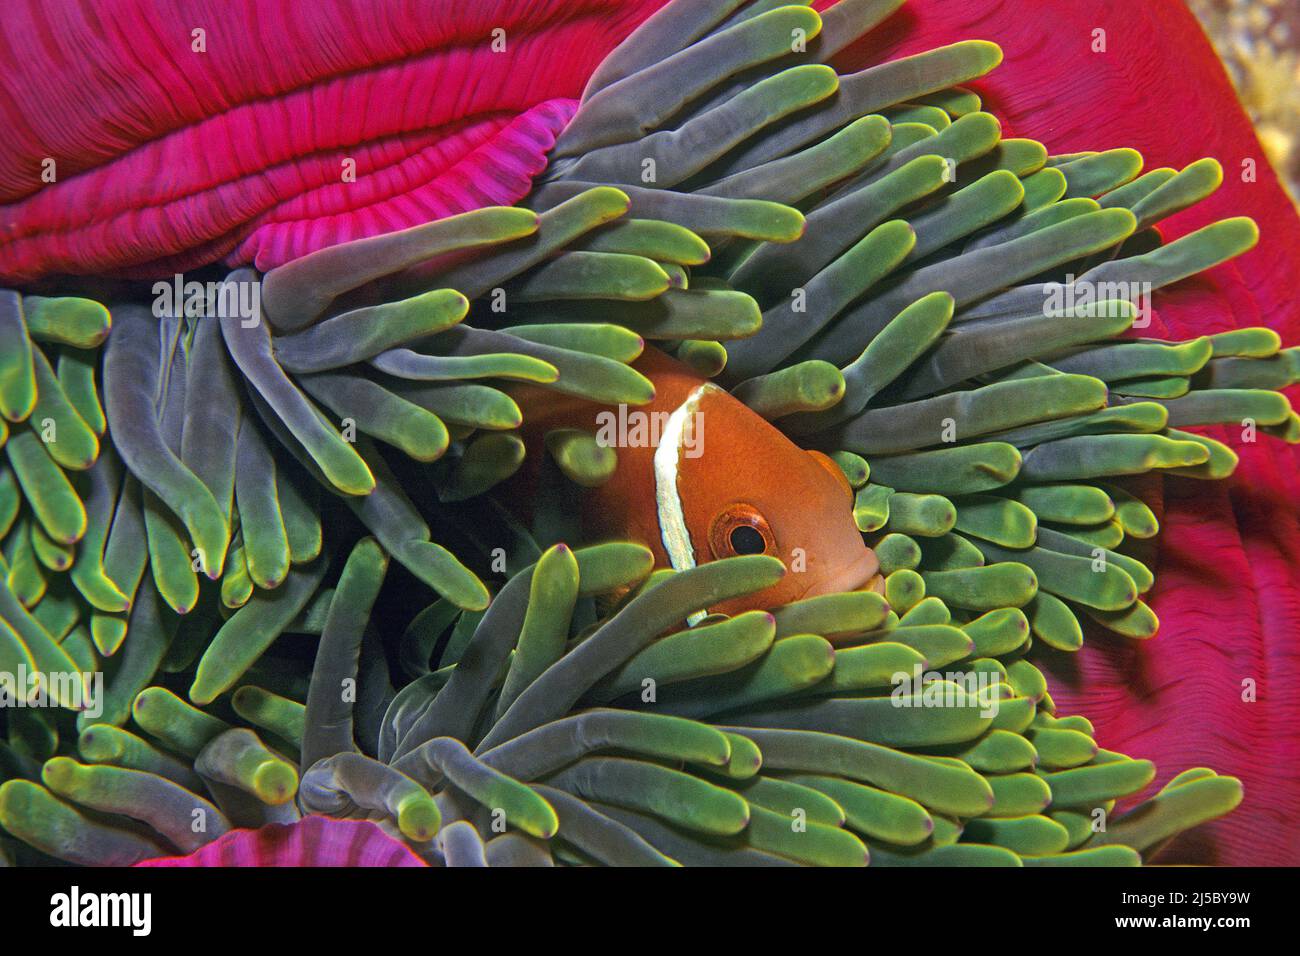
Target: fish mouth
{"points": [[863, 574]]}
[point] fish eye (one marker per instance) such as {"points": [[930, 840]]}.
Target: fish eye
{"points": [[740, 529], [746, 540]]}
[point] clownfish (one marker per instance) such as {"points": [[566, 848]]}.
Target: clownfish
{"points": [[700, 476]]}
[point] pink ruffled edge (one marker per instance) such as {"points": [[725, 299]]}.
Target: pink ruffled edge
{"points": [[313, 841], [499, 172], [168, 160]]}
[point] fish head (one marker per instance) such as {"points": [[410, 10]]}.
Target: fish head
{"points": [[700, 476], [728, 483]]}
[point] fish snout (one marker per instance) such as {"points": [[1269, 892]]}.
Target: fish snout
{"points": [[860, 574]]}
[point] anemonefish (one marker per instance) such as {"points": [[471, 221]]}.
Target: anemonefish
{"points": [[700, 476]]}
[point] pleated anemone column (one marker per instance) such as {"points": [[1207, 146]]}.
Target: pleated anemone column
{"points": [[316, 123]]}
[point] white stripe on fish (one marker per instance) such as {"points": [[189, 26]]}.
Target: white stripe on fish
{"points": [[673, 531]]}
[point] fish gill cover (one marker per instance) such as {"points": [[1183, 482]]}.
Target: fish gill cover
{"points": [[272, 510]]}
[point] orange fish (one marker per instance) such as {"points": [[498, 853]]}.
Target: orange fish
{"points": [[700, 476]]}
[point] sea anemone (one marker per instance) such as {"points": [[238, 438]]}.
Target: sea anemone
{"points": [[862, 259], [351, 123]]}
